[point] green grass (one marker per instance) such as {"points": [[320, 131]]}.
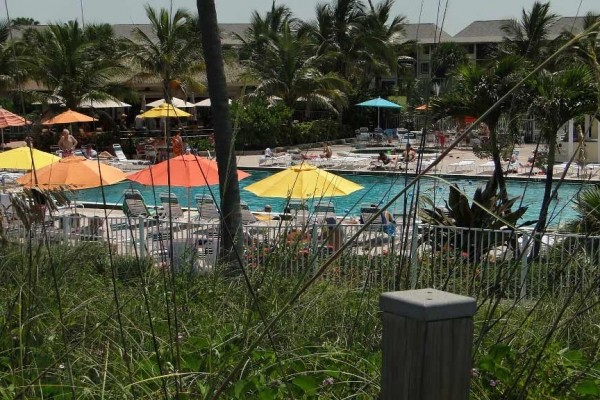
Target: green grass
{"points": [[325, 346]]}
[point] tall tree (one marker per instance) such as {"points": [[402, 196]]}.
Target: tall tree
{"points": [[335, 32], [231, 221], [8, 69], [381, 35], [446, 58], [23, 21], [559, 97], [286, 68], [529, 37], [587, 49], [74, 63], [474, 91], [170, 52], [263, 29]]}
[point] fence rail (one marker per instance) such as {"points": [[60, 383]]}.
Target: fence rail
{"points": [[464, 261]]}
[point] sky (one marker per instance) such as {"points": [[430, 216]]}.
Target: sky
{"points": [[459, 12]]}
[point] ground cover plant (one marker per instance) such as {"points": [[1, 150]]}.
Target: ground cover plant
{"points": [[61, 333]]}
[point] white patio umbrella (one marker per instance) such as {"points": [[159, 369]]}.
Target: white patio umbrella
{"points": [[174, 100], [103, 104], [206, 103]]}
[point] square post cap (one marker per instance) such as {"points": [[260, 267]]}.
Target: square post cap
{"points": [[427, 304]]}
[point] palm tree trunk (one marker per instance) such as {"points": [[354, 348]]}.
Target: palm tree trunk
{"points": [[543, 216], [231, 220], [498, 171]]}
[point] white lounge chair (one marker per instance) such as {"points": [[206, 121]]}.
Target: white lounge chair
{"points": [[461, 166], [123, 158], [486, 167]]}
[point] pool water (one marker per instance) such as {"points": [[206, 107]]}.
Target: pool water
{"points": [[376, 189]]}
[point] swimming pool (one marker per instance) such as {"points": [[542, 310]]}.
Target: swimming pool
{"points": [[376, 188]]}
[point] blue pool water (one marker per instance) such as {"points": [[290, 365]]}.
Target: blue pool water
{"points": [[376, 188]]}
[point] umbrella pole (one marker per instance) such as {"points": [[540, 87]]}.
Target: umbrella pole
{"points": [[378, 117]]}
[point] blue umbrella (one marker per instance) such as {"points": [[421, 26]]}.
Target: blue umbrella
{"points": [[379, 103]]}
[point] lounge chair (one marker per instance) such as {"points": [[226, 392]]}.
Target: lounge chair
{"points": [[367, 212], [171, 205], [560, 168], [379, 231], [461, 166], [486, 167], [247, 217], [123, 159], [324, 210], [134, 205], [207, 209]]}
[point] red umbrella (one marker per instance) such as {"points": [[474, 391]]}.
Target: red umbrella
{"points": [[8, 119], [186, 171]]}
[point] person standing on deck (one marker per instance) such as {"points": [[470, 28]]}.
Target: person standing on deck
{"points": [[67, 143], [177, 144]]}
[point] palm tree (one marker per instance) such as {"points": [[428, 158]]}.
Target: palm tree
{"points": [[75, 64], [24, 21], [587, 50], [528, 37], [288, 69], [475, 89], [380, 35], [446, 58], [336, 34], [7, 62], [559, 97], [261, 30], [231, 223], [170, 53]]}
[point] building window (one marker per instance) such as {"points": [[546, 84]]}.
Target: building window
{"points": [[426, 50], [471, 49], [425, 68]]}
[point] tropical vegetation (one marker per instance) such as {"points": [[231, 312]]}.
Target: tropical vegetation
{"points": [[281, 321]]}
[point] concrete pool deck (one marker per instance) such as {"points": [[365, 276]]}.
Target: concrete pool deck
{"points": [[476, 170]]}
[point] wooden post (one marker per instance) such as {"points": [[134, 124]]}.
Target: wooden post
{"points": [[427, 340]]}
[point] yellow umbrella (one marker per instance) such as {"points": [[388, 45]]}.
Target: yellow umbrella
{"points": [[303, 181], [25, 158], [165, 110], [74, 173]]}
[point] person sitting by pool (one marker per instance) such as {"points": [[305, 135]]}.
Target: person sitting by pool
{"points": [[383, 158], [410, 154], [89, 152], [268, 153], [327, 153]]}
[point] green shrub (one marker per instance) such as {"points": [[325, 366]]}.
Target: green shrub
{"points": [[259, 124]]}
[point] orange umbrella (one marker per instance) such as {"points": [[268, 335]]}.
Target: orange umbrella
{"points": [[74, 173], [186, 171], [422, 107], [69, 117], [8, 119]]}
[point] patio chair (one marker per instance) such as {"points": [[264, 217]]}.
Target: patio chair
{"points": [[171, 205], [207, 209]]}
